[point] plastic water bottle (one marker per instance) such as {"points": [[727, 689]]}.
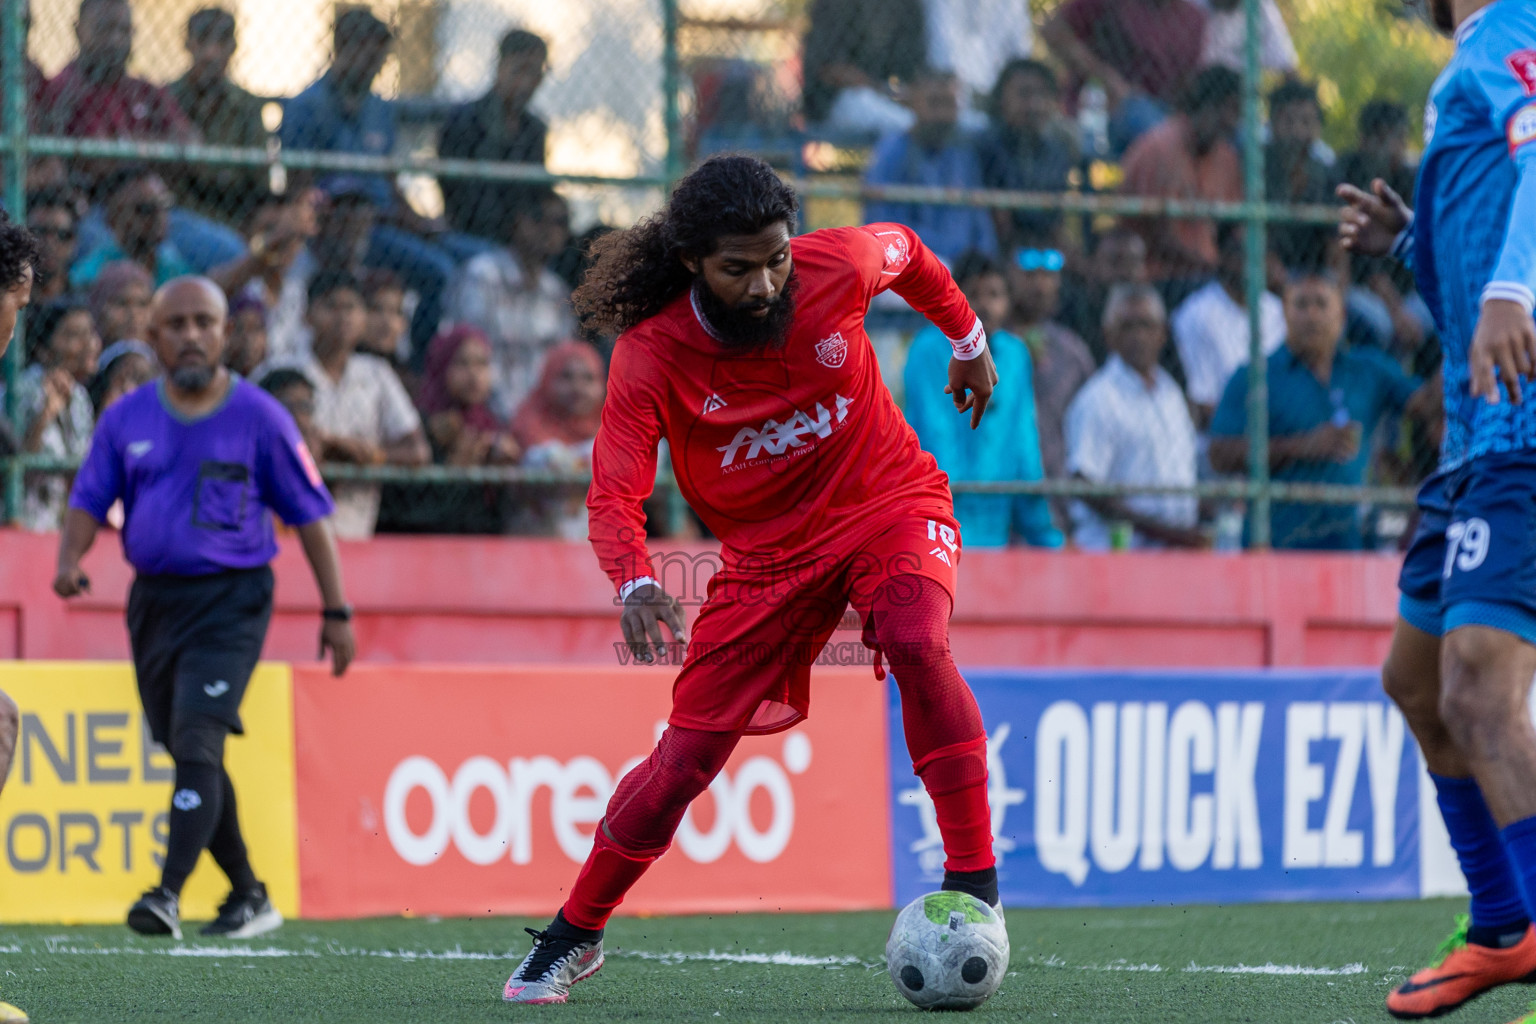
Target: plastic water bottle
{"points": [[1093, 120]]}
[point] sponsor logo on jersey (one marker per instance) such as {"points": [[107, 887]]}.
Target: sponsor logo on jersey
{"points": [[1523, 64], [712, 403], [830, 352], [1430, 114], [897, 253], [1522, 127], [307, 460], [775, 438], [138, 449]]}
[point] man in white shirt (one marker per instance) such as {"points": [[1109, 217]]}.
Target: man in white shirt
{"points": [[1130, 425], [1210, 327], [1226, 37], [520, 304]]}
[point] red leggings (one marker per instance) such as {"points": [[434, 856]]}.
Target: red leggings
{"points": [[910, 616]]}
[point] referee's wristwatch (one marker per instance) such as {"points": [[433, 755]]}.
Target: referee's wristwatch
{"points": [[342, 614]]}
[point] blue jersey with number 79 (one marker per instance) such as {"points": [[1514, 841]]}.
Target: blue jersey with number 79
{"points": [[1474, 234]]}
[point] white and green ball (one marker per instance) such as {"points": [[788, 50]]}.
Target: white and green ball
{"points": [[947, 951]]}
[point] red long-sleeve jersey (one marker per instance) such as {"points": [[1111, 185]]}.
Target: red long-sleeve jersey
{"points": [[784, 454]]}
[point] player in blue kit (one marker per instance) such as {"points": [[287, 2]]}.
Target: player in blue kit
{"points": [[1464, 649]]}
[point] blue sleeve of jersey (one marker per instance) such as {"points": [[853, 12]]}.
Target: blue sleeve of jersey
{"points": [[1517, 259], [1506, 75]]}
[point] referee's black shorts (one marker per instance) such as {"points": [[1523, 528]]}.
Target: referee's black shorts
{"points": [[196, 640]]}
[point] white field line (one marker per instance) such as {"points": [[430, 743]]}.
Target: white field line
{"points": [[64, 946]]}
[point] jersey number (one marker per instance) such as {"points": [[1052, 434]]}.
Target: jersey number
{"points": [[1466, 545], [939, 531]]}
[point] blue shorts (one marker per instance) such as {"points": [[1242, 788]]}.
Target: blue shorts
{"points": [[1473, 558]]}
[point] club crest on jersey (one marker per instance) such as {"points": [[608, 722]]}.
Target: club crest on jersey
{"points": [[1523, 64], [897, 253], [1431, 114], [830, 352], [1522, 127]]}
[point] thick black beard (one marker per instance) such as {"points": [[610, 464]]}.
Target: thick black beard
{"points": [[738, 330], [193, 378]]}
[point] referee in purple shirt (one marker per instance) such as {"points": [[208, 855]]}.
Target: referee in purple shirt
{"points": [[201, 460]]}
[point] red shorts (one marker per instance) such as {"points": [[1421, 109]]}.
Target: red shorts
{"points": [[751, 649]]}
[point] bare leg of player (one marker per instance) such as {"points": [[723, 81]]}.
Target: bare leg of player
{"points": [[10, 721], [1485, 701], [1496, 944]]}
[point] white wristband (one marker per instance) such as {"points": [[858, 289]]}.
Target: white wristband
{"points": [[972, 345], [632, 585], [1510, 291]]}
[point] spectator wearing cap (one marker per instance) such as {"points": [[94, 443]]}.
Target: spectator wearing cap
{"points": [[138, 211], [1059, 359], [1210, 328], [122, 368], [362, 412], [1226, 37], [936, 152], [1326, 400], [854, 50], [340, 113], [1006, 446], [120, 302], [52, 217], [1143, 51], [1028, 148], [1130, 425], [516, 299], [224, 113], [497, 126], [54, 403], [1188, 156]]}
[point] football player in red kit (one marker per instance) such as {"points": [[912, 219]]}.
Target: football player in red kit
{"points": [[745, 349]]}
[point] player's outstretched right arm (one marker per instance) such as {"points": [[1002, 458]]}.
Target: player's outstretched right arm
{"points": [[1371, 221]]}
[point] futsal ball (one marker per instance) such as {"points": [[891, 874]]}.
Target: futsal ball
{"points": [[947, 951]]}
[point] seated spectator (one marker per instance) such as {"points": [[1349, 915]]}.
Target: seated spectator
{"points": [[497, 126], [1143, 51], [340, 113], [276, 267], [556, 427], [55, 405], [1007, 444], [1188, 156], [933, 152], [1059, 359], [120, 302], [1130, 425], [246, 349], [1382, 151], [513, 296], [122, 368], [138, 212], [1119, 257], [386, 336], [1325, 402], [456, 400], [1226, 37], [854, 50], [1029, 148], [1298, 169], [1210, 327], [225, 114], [294, 392], [362, 412], [52, 217]]}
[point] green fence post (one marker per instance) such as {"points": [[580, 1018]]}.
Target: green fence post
{"points": [[672, 116], [13, 49], [1254, 236]]}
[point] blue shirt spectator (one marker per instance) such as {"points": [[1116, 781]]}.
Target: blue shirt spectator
{"points": [[332, 117], [933, 152], [1006, 446], [1325, 403]]}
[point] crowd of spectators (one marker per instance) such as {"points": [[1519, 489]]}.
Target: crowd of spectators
{"points": [[398, 339]]}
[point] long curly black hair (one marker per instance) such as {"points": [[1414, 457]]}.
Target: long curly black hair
{"points": [[18, 251], [635, 273]]}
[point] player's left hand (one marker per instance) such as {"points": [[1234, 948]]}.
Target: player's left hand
{"points": [[970, 383], [1503, 349], [336, 636]]}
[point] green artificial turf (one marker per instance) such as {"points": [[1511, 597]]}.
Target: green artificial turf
{"points": [[1318, 964]]}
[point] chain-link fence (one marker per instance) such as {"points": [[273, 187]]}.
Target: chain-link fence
{"points": [[1136, 196]]}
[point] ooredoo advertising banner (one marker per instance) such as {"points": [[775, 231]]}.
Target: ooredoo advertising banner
{"points": [[83, 821], [473, 791], [1178, 787]]}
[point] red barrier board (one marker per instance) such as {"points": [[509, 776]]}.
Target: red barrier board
{"points": [[454, 790]]}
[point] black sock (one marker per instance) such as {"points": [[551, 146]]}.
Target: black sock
{"points": [[227, 845], [195, 809], [1500, 936], [981, 884], [560, 928]]}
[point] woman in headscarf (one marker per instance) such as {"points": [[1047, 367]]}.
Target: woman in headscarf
{"points": [[556, 427], [119, 302], [123, 366], [55, 405], [455, 399]]}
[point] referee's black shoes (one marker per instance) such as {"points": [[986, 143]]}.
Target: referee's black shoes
{"points": [[156, 914], [244, 915]]}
